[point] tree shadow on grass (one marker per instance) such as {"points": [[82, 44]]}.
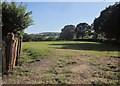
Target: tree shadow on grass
{"points": [[85, 46]]}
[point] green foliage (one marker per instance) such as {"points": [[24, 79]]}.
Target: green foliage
{"points": [[14, 18], [47, 36], [108, 23], [26, 37], [82, 29], [68, 32]]}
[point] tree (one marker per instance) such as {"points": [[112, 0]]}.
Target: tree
{"points": [[67, 32], [108, 23], [14, 18], [27, 37], [82, 29]]}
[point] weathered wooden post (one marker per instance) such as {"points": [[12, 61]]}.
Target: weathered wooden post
{"points": [[11, 52], [18, 50], [16, 46], [8, 52]]}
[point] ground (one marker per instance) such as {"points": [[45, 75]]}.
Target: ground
{"points": [[66, 62]]}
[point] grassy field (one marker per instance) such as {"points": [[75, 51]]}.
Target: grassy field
{"points": [[66, 62]]}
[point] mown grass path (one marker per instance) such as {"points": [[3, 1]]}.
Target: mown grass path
{"points": [[66, 62]]}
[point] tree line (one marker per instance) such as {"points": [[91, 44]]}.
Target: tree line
{"points": [[81, 31], [69, 32], [45, 36]]}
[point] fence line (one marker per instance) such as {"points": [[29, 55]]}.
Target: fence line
{"points": [[11, 47]]}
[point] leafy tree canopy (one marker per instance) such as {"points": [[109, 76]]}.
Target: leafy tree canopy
{"points": [[108, 23], [14, 18], [82, 29], [67, 32]]}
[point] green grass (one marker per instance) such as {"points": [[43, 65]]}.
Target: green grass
{"points": [[94, 47], [33, 51]]}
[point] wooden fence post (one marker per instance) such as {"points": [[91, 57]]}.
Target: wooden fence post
{"points": [[11, 52], [16, 46], [8, 51], [18, 50]]}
